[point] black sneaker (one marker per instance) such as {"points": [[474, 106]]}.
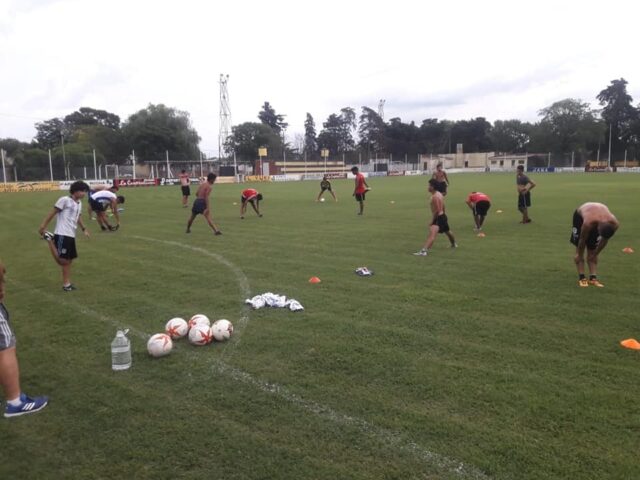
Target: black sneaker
{"points": [[218, 233], [69, 288]]}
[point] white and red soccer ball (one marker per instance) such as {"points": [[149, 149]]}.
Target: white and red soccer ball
{"points": [[199, 319], [159, 345], [176, 328], [222, 330], [200, 334]]}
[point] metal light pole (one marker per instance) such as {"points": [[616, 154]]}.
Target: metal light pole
{"points": [[609, 161], [4, 174], [64, 158], [95, 167], [50, 166]]}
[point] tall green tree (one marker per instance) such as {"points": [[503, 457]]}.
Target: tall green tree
{"points": [[248, 137], [156, 129], [275, 121], [371, 130], [473, 134], [510, 136], [90, 116], [337, 132], [402, 138], [49, 133], [618, 113], [310, 137]]}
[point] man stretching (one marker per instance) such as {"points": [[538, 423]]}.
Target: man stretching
{"points": [[593, 226]]}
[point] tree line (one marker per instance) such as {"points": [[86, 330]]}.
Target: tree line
{"points": [[566, 126]]}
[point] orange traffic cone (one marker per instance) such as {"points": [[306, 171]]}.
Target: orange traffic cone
{"points": [[481, 235], [631, 343], [314, 280], [627, 250]]}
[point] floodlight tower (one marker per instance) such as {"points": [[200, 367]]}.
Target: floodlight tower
{"points": [[381, 108], [225, 114]]}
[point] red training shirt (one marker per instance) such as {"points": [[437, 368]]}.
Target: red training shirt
{"points": [[360, 188], [476, 197], [249, 193]]}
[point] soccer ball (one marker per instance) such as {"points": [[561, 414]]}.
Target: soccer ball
{"points": [[176, 328], [322, 199], [200, 334], [159, 345], [222, 330], [199, 319]]}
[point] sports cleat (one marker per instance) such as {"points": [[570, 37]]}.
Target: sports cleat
{"points": [[421, 253], [48, 236], [218, 233], [27, 405], [454, 245], [583, 283], [595, 283], [69, 288]]}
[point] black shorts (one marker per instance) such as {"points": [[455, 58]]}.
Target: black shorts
{"points": [[360, 197], [481, 208], [186, 191], [524, 200], [244, 200], [441, 187], [97, 206], [592, 239], [65, 246], [442, 222], [199, 206], [325, 188]]}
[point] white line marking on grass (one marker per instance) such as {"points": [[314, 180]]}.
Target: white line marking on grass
{"points": [[241, 278], [385, 436]]}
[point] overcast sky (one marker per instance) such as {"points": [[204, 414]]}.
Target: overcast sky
{"points": [[448, 59]]}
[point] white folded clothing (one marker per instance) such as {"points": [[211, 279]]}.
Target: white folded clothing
{"points": [[274, 300]]}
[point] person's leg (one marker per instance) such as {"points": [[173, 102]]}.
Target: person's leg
{"points": [[10, 373], [452, 239], [243, 209], [480, 221], [333, 195], [213, 226], [361, 202], [319, 195], [101, 217], [433, 233], [185, 199], [190, 222], [66, 272], [256, 208], [54, 251], [592, 260]]}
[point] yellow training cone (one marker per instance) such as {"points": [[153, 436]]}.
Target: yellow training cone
{"points": [[498, 211], [631, 343]]}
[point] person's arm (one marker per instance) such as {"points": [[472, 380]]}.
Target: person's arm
{"points": [[529, 186], [469, 203], [582, 244], [47, 219], [84, 229], [114, 209], [355, 187], [366, 184]]}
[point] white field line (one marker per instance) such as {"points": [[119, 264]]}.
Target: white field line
{"points": [[385, 436]]}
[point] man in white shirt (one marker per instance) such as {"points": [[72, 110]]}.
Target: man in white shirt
{"points": [[100, 200], [62, 242]]}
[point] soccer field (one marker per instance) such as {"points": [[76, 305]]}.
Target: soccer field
{"points": [[482, 362]]}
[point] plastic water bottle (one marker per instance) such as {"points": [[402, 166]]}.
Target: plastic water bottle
{"points": [[121, 351]]}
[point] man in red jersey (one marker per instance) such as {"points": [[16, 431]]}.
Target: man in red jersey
{"points": [[361, 188], [252, 196], [479, 203]]}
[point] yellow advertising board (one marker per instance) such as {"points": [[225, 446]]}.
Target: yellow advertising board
{"points": [[29, 187], [257, 178]]}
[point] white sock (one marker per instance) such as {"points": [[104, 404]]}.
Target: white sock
{"points": [[15, 402]]}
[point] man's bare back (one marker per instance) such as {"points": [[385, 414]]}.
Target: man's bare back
{"points": [[594, 213]]}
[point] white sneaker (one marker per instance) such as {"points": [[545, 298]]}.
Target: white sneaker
{"points": [[455, 245], [421, 253]]}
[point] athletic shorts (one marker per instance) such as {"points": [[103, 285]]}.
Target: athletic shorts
{"points": [[7, 337], [244, 200], [592, 239], [481, 208], [441, 187], [325, 188], [186, 191], [442, 222], [524, 201], [199, 206], [360, 197], [97, 206], [65, 246]]}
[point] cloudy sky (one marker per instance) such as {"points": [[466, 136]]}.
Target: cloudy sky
{"points": [[451, 59]]}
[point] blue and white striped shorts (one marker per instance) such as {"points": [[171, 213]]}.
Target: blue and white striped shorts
{"points": [[7, 337]]}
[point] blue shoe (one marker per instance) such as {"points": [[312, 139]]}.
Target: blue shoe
{"points": [[27, 405]]}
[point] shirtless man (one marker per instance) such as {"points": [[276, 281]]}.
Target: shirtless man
{"points": [[201, 204], [440, 176], [524, 185], [593, 226], [185, 181], [439, 222]]}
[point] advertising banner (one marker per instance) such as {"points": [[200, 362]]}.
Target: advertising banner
{"points": [[136, 182], [29, 187], [395, 173], [257, 178]]}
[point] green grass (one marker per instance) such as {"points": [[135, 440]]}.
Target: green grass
{"points": [[489, 355]]}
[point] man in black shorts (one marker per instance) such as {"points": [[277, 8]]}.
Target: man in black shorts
{"points": [[593, 226], [439, 221], [201, 204], [524, 185], [324, 186], [185, 181], [441, 178], [479, 203]]}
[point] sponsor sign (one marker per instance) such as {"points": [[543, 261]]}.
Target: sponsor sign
{"points": [[395, 173], [312, 176], [412, 172], [257, 178], [225, 180], [628, 170], [598, 168], [335, 175], [169, 181], [286, 178], [377, 174], [29, 187], [64, 185], [136, 182], [541, 169]]}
